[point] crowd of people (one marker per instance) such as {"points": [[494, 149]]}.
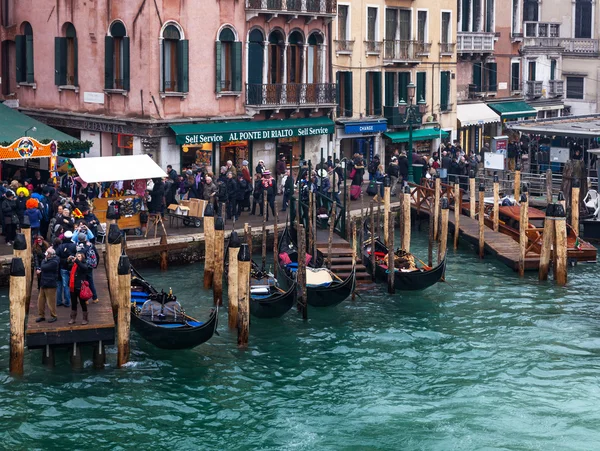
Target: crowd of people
{"points": [[63, 230]]}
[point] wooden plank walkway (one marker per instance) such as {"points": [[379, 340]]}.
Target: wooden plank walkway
{"points": [[499, 245], [101, 325]]}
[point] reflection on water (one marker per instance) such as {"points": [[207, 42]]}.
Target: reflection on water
{"points": [[483, 361]]}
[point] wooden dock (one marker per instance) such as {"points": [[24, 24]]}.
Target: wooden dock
{"points": [[341, 256], [101, 327]]}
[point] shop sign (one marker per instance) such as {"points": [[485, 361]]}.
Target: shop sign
{"points": [[26, 148], [255, 135], [93, 97], [365, 127]]}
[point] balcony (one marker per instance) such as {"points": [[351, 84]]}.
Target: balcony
{"points": [[533, 89], [477, 91], [293, 8], [343, 47], [422, 48], [475, 42], [447, 48], [373, 47], [579, 47], [290, 95], [556, 88], [399, 52], [541, 34]]}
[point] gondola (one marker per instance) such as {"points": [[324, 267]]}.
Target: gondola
{"points": [[415, 280], [329, 292], [267, 299], [160, 319]]}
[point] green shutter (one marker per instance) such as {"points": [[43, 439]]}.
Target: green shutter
{"points": [[338, 110], [29, 58], [492, 76], [389, 88], [368, 94], [108, 62], [444, 90], [421, 86], [183, 77], [348, 107], [477, 76], [20, 60], [236, 65], [218, 65], [553, 70], [60, 61], [377, 93], [76, 62], [403, 81], [126, 66]]}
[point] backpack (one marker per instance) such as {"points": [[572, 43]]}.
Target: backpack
{"points": [[372, 188], [91, 257], [222, 189], [373, 166]]}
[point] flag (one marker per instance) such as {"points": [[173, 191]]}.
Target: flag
{"points": [[577, 244]]}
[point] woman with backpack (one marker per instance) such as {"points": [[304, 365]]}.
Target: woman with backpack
{"points": [[91, 259]]}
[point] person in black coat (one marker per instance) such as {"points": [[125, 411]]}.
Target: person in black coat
{"points": [[9, 214], [48, 272], [79, 274], [232, 195], [243, 194], [288, 189], [157, 194], [257, 194], [403, 167]]}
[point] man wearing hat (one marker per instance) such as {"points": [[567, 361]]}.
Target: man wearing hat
{"points": [[65, 250], [47, 295], [269, 190]]}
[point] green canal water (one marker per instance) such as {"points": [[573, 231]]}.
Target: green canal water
{"points": [[486, 361]]}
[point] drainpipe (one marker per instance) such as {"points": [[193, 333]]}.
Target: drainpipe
{"points": [[330, 52]]}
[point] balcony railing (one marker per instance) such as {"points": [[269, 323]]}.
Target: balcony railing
{"points": [[447, 48], [373, 47], [542, 29], [422, 48], [483, 90], [394, 118], [398, 51], [305, 7], [556, 88], [475, 42], [290, 94], [533, 88], [344, 47], [580, 46]]}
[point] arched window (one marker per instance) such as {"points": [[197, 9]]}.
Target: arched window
{"points": [[65, 57], [116, 58], [313, 72], [530, 11], [583, 19], [229, 62], [295, 57], [276, 50], [174, 60], [24, 54], [255, 64]]}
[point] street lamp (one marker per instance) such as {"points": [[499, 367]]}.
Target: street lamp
{"points": [[33, 129], [411, 114]]}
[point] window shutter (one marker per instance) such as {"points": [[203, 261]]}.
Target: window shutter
{"points": [[516, 76], [421, 86], [337, 94], [183, 71], [76, 62], [368, 93], [236, 65], [161, 74], [389, 88], [108, 62], [126, 66], [60, 61], [476, 76], [444, 88], [553, 70], [377, 93], [20, 52], [492, 76], [349, 109], [403, 81], [29, 57], [218, 66]]}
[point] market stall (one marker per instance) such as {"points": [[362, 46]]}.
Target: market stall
{"points": [[128, 205]]}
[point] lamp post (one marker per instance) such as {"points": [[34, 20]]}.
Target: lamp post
{"points": [[411, 114], [33, 129]]}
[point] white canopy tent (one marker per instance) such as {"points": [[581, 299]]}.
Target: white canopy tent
{"points": [[476, 114], [112, 169]]}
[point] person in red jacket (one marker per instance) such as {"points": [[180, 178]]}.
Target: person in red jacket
{"points": [[79, 273]]}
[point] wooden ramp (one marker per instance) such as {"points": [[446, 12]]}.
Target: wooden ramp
{"points": [[341, 256], [101, 327]]}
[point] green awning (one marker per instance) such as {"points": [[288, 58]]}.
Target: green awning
{"points": [[421, 134], [15, 125], [513, 110], [251, 130]]}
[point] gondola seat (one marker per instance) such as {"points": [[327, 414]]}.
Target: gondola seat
{"points": [[177, 325]]}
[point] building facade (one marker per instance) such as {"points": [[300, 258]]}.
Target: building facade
{"points": [[125, 76], [380, 47]]}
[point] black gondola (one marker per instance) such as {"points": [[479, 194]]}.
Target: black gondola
{"points": [[317, 296], [404, 281], [267, 300], [159, 318]]}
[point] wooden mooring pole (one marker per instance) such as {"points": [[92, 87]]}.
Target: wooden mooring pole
{"points": [[372, 229], [406, 219], [575, 206], [17, 299], [232, 280], [330, 238], [354, 251], [560, 246], [391, 253], [443, 230], [523, 226], [431, 240], [275, 238], [481, 219], [457, 211], [472, 200], [301, 275], [26, 231], [436, 207], [549, 186], [311, 217], [547, 241], [386, 209], [209, 246], [244, 266], [496, 219], [219, 263], [124, 310], [264, 236], [517, 183], [248, 236]]}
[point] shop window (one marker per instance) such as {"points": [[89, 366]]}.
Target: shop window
{"points": [[65, 58], [116, 58], [291, 149], [201, 154], [24, 55], [344, 94], [174, 53], [373, 94], [444, 90], [236, 151], [229, 62], [575, 87], [123, 144]]}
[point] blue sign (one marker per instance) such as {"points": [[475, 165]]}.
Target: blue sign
{"points": [[365, 127]]}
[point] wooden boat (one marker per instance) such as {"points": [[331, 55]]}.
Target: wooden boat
{"points": [[160, 319], [328, 294], [419, 279], [267, 299], [509, 217]]}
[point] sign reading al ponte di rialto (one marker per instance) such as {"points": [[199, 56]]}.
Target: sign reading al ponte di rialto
{"points": [[255, 135]]}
